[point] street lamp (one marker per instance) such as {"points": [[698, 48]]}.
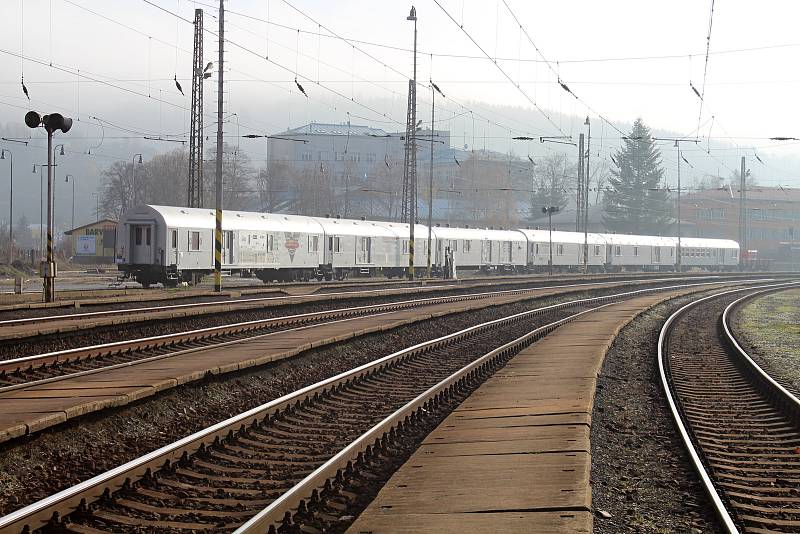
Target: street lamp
{"points": [[10, 206], [133, 163], [67, 180], [51, 123], [550, 210]]}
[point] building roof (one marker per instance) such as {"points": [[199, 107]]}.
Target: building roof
{"points": [[322, 128], [96, 223], [755, 192]]}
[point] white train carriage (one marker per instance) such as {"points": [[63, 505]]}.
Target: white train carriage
{"points": [[357, 247], [712, 254], [465, 244], [639, 252], [567, 250], [503, 250], [402, 251], [170, 244]]}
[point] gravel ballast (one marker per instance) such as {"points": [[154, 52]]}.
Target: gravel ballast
{"points": [[642, 481]]}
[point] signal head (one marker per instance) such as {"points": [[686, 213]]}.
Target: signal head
{"points": [[33, 119]]}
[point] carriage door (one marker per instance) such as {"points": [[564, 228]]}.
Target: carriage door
{"points": [[227, 247], [364, 250], [486, 252], [141, 243], [507, 251]]}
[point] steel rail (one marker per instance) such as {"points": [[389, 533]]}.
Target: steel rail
{"points": [[695, 455], [93, 351], [363, 293], [40, 513]]}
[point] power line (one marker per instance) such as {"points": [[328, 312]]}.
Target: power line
{"points": [[705, 68], [494, 61]]}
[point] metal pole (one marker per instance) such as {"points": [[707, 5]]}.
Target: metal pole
{"points": [[10, 208], [680, 252], [41, 212], [413, 140], [49, 282], [550, 220], [586, 200], [742, 214], [579, 192], [218, 184], [430, 182]]}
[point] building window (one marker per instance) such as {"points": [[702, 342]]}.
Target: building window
{"points": [[147, 236], [339, 156], [138, 234], [174, 239], [194, 240], [372, 158], [306, 156]]}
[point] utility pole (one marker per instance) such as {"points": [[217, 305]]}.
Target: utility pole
{"points": [[742, 215], [195, 193], [586, 199], [218, 182], [3, 153], [579, 192], [410, 170], [430, 180], [679, 262]]}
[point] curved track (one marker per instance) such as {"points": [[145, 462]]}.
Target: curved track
{"points": [[275, 454], [741, 428]]}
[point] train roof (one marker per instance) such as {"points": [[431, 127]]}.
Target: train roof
{"points": [[180, 217], [355, 227], [638, 240], [560, 236], [702, 242], [451, 232]]}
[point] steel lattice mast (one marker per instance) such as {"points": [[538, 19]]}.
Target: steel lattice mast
{"points": [[196, 139]]}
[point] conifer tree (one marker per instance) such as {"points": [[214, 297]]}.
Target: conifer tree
{"points": [[637, 200]]}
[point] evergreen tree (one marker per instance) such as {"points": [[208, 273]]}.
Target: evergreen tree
{"points": [[636, 200]]}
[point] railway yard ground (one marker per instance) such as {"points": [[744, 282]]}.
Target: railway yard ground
{"points": [[495, 404]]}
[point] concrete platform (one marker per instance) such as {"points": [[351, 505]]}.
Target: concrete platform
{"points": [[514, 456]]}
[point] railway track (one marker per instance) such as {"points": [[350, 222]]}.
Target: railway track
{"points": [[117, 312], [26, 371], [740, 426], [280, 457], [16, 373]]}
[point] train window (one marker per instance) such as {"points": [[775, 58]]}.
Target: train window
{"points": [[467, 245], [617, 251], [271, 243], [597, 250], [405, 246], [138, 233], [174, 239], [313, 243], [560, 250], [336, 245], [537, 248], [194, 240], [635, 251], [147, 236]]}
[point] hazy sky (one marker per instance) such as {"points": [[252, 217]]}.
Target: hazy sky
{"points": [[624, 59]]}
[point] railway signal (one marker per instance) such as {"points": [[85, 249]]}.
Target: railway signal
{"points": [[51, 123]]}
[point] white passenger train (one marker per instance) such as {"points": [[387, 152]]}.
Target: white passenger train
{"points": [[166, 244]]}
